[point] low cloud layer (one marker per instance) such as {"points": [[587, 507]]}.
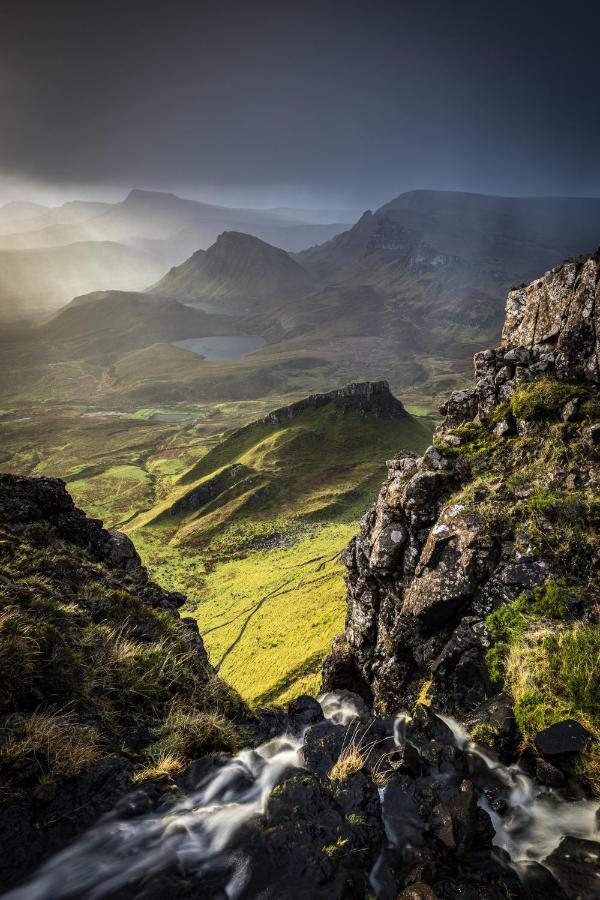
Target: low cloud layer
{"points": [[323, 104]]}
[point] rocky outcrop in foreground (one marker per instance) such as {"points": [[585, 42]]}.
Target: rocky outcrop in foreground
{"points": [[100, 678], [484, 552]]}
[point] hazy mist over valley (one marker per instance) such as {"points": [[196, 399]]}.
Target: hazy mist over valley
{"points": [[299, 471]]}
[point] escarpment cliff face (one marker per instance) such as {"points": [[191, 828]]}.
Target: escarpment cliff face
{"points": [[500, 513], [362, 398]]}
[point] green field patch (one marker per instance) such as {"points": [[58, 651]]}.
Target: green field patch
{"points": [[112, 494], [175, 412]]}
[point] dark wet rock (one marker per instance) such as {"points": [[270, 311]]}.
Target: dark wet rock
{"points": [[201, 770], [525, 574], [404, 759], [341, 670], [403, 823], [120, 550], [322, 746], [576, 865], [539, 882], [568, 736], [48, 826], [493, 723], [548, 774], [322, 846], [358, 794], [460, 673], [425, 724], [304, 711]]}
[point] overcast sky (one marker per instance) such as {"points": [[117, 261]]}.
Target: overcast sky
{"points": [[299, 103]]}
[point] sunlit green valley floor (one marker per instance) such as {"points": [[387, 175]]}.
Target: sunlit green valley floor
{"points": [[268, 617]]}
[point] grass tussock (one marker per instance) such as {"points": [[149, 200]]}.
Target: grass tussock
{"points": [[165, 766], [54, 742], [187, 734], [354, 755], [541, 399]]}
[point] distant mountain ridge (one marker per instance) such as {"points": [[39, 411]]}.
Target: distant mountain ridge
{"points": [[237, 267], [150, 230], [178, 225], [452, 256]]}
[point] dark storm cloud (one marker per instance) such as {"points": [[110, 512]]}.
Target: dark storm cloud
{"points": [[357, 100]]}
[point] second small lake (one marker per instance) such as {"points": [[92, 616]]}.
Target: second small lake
{"points": [[234, 346]]}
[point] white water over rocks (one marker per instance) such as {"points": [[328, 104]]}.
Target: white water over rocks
{"points": [[536, 819], [194, 832], [197, 831]]}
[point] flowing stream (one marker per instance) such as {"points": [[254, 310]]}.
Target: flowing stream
{"points": [[197, 831]]}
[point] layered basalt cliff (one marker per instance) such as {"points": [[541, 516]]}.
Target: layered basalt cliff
{"points": [[361, 398], [501, 510]]}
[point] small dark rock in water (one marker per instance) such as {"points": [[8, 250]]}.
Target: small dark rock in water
{"points": [[539, 882], [425, 725], [548, 774], [563, 737], [493, 724], [323, 744], [304, 711], [576, 864]]}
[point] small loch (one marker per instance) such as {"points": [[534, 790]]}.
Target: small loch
{"points": [[234, 346]]}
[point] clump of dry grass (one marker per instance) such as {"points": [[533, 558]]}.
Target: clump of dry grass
{"points": [[165, 766], [354, 755], [553, 672], [57, 743], [18, 649]]}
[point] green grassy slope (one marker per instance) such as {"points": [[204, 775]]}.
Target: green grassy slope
{"points": [[110, 322], [252, 533], [94, 660]]}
